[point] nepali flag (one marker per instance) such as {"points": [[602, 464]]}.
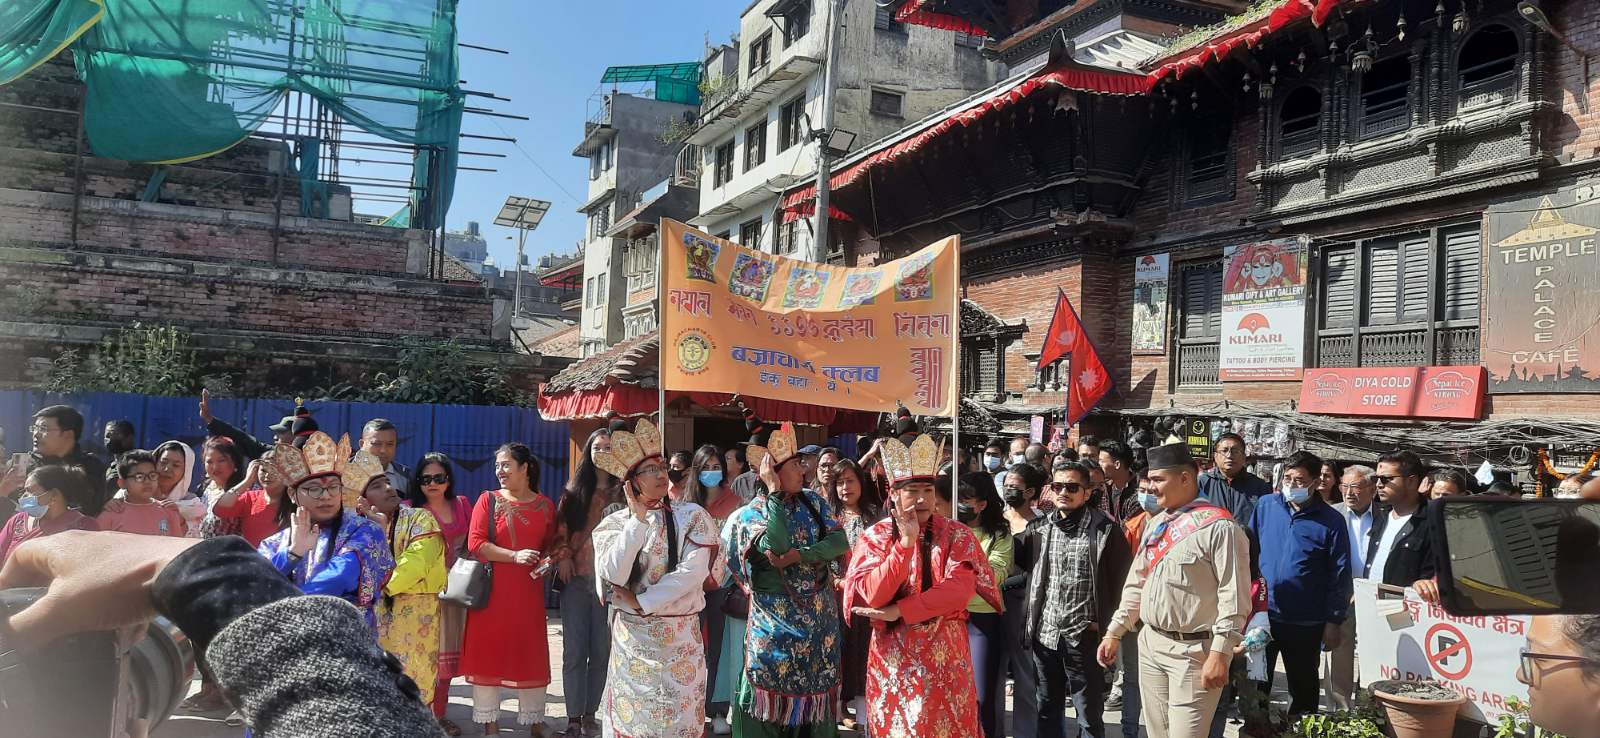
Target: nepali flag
{"points": [[1089, 381]]}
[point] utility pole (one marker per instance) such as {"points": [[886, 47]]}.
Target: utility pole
{"points": [[516, 302], [819, 244]]}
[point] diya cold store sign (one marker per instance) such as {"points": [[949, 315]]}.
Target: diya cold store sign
{"points": [[1542, 310], [1442, 392]]}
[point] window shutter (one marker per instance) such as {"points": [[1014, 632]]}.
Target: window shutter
{"points": [[988, 370], [1339, 280], [1383, 284], [1462, 275], [1414, 279], [1202, 301]]}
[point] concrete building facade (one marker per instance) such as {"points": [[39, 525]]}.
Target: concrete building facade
{"points": [[629, 145], [764, 99]]}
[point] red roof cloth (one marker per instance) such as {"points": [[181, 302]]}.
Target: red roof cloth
{"points": [[631, 401], [559, 276], [915, 13], [1067, 76]]}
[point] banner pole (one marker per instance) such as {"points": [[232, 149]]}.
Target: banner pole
{"points": [[955, 361], [661, 336]]}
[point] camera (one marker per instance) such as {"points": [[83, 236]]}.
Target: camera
{"points": [[92, 684]]}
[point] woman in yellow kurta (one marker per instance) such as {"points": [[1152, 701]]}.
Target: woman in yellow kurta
{"points": [[408, 615]]}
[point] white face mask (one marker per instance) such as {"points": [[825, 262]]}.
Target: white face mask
{"points": [[1296, 495]]}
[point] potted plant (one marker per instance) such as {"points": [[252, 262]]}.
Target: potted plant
{"points": [[1424, 709], [1362, 720]]}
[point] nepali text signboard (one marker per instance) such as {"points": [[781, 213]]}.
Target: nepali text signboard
{"points": [[737, 320], [1263, 311], [1411, 640], [1150, 282], [1542, 312], [1454, 392]]}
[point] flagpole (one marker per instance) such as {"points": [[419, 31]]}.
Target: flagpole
{"points": [[661, 337], [955, 362]]}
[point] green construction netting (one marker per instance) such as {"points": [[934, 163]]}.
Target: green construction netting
{"points": [[679, 83], [176, 80]]}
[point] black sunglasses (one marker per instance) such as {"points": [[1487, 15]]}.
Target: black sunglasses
{"points": [[434, 479], [1072, 487]]}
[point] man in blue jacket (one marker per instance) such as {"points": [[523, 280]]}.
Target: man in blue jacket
{"points": [[1305, 558]]}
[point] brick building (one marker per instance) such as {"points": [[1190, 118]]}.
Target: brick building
{"points": [[1388, 146], [279, 301]]}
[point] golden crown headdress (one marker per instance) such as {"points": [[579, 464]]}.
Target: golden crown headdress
{"points": [[917, 463], [319, 457], [358, 471], [781, 446], [628, 450]]}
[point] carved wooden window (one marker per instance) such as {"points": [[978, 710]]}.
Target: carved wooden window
{"points": [[1209, 161], [1408, 300], [1300, 122], [1488, 67], [981, 368], [1199, 324], [1384, 105]]}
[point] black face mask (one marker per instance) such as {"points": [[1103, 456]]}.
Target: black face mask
{"points": [[676, 475], [966, 513], [1015, 499]]}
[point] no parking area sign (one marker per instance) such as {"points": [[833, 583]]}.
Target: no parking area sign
{"points": [[1412, 640]]}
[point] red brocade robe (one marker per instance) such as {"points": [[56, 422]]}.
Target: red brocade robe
{"points": [[919, 670]]}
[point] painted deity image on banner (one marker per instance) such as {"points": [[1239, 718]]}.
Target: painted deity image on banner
{"points": [[1264, 266], [805, 288], [702, 261], [860, 289], [915, 281], [751, 277]]}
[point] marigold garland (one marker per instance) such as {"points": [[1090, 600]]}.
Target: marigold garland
{"points": [[1546, 468]]}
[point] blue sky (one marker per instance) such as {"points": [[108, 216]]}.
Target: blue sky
{"points": [[558, 52]]}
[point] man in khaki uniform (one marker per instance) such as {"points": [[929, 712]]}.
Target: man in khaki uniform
{"points": [[1190, 586]]}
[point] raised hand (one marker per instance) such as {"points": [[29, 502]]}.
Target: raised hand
{"points": [[769, 475], [205, 406], [909, 527], [302, 532]]}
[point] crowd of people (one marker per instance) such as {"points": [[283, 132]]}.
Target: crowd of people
{"points": [[774, 589]]}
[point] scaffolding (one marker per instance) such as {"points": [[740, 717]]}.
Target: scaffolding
{"points": [[364, 95]]}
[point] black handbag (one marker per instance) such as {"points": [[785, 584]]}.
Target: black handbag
{"points": [[470, 581]]}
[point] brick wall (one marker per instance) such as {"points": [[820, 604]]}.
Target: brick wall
{"points": [[1576, 132], [104, 288], [1029, 296], [45, 219]]}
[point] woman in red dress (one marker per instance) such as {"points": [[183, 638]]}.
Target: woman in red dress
{"points": [[506, 645]]}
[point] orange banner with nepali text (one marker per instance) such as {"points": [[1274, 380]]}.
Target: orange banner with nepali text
{"points": [[742, 321]]}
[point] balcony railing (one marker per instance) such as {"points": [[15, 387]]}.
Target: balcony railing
{"points": [[1197, 365], [1454, 345]]}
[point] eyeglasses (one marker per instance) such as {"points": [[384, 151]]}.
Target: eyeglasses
{"points": [[317, 491], [427, 479], [1351, 487], [1068, 487], [41, 428], [648, 471], [1531, 658], [141, 477]]}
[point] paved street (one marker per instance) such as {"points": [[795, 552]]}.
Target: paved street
{"points": [[191, 726]]}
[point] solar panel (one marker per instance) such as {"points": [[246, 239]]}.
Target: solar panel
{"points": [[522, 212]]}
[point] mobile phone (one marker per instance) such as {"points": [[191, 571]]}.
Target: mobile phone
{"points": [[1514, 556]]}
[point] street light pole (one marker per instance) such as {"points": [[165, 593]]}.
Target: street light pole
{"points": [[516, 303], [819, 244]]}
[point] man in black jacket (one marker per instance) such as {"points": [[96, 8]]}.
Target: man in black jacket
{"points": [[1400, 549], [56, 432], [1078, 558]]}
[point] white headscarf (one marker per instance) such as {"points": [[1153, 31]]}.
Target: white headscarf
{"points": [[191, 507]]}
